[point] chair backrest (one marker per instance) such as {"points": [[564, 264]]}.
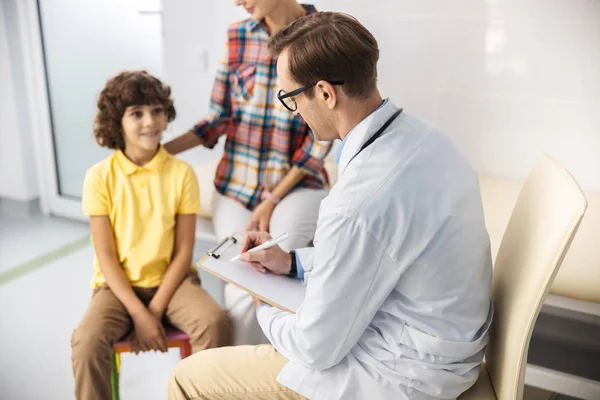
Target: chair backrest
{"points": [[539, 233]]}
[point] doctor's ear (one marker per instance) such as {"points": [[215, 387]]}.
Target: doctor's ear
{"points": [[327, 92]]}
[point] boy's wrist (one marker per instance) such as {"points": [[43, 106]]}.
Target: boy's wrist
{"points": [[156, 309], [138, 311]]}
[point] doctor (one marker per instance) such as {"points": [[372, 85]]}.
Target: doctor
{"points": [[398, 282]]}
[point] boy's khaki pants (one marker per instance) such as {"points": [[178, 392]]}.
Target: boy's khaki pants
{"points": [[231, 373], [106, 321]]}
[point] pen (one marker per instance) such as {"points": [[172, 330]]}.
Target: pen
{"points": [[265, 245]]}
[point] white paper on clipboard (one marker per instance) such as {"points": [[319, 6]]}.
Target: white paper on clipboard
{"points": [[280, 291]]}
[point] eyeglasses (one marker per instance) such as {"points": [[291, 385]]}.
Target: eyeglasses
{"points": [[287, 98]]}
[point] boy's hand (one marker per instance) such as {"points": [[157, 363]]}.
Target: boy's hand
{"points": [[149, 333], [134, 344]]}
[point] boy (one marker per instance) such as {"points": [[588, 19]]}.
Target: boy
{"points": [[142, 205]]}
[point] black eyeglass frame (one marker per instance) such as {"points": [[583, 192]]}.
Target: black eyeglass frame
{"points": [[281, 95]]}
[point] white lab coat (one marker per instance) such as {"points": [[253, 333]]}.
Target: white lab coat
{"points": [[398, 282]]}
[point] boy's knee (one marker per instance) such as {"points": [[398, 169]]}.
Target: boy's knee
{"points": [[88, 345], [214, 331], [220, 328]]}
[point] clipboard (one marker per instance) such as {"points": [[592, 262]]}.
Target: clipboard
{"points": [[279, 291]]}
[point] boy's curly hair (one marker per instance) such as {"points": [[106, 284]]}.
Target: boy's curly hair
{"points": [[129, 88]]}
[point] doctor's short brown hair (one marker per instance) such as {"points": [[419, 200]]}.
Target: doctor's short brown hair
{"points": [[330, 46]]}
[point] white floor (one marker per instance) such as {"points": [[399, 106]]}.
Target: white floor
{"points": [[23, 239], [40, 309]]}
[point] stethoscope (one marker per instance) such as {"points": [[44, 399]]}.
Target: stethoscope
{"points": [[378, 133]]}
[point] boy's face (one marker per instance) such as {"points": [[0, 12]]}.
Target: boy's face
{"points": [[143, 126]]}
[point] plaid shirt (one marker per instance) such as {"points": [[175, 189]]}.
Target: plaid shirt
{"points": [[264, 140]]}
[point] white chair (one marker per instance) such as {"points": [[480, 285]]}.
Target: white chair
{"points": [[542, 226]]}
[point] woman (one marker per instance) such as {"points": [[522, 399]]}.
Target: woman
{"points": [[271, 177]]}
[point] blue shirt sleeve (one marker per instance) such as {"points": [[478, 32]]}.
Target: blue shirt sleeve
{"points": [[261, 306], [299, 268]]}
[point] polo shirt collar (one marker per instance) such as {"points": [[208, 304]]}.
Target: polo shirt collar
{"points": [[155, 164]]}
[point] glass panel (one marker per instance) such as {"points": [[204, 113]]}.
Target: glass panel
{"points": [[85, 43]]}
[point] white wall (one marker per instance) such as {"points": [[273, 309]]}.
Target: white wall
{"points": [[17, 163], [507, 79], [194, 35]]}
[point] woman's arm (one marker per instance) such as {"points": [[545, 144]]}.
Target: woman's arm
{"points": [[208, 131], [288, 182], [308, 159], [182, 143], [261, 216]]}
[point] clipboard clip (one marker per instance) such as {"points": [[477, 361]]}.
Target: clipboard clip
{"points": [[222, 247]]}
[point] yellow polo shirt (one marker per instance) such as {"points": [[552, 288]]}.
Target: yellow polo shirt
{"points": [[142, 204]]}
